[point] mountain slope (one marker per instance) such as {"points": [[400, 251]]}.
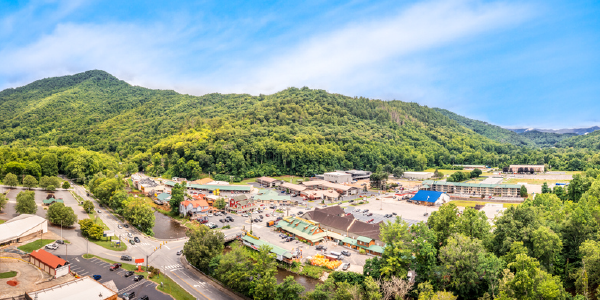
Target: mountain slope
{"points": [[490, 131], [578, 131], [546, 139], [295, 130], [587, 141]]}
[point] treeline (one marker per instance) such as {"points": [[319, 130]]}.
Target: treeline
{"points": [[77, 164]]}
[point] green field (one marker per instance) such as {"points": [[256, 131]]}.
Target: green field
{"points": [[169, 286], [2, 221], [35, 245], [533, 181]]}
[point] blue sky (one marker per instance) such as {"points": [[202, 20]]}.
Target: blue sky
{"points": [[511, 63]]}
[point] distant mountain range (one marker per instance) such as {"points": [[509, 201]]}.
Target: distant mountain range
{"points": [[578, 131]]}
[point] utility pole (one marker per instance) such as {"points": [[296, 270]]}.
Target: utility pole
{"points": [[250, 216], [148, 255]]}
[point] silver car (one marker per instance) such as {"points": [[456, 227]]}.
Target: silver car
{"points": [[52, 246]]}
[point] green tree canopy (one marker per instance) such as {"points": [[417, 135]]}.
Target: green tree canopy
{"points": [[203, 245], [140, 214], [289, 289], [10, 180], [26, 203], [59, 214], [30, 181]]}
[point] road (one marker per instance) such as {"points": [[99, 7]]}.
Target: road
{"points": [[164, 258]]}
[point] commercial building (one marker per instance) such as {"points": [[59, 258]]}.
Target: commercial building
{"points": [[477, 189], [162, 198], [49, 263], [268, 181], [304, 230], [255, 243], [191, 207], [526, 169], [365, 243], [430, 198], [417, 175], [328, 195], [338, 177], [78, 289], [23, 227], [360, 175], [344, 190], [241, 204], [269, 197], [292, 188]]}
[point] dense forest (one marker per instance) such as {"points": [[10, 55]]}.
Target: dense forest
{"points": [[526, 138], [295, 131]]}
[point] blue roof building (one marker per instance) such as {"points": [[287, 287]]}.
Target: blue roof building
{"points": [[430, 198]]}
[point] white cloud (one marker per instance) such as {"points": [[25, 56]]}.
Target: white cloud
{"points": [[336, 59], [356, 59]]}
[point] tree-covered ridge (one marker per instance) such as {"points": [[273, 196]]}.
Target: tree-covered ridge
{"points": [[490, 131], [546, 139], [589, 141]]}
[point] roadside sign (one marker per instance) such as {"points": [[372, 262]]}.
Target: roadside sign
{"points": [[139, 260]]}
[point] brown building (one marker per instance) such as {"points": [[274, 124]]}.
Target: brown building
{"points": [[49, 263], [526, 168]]}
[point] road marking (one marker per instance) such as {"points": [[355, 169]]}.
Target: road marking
{"points": [[167, 247], [190, 286], [77, 259]]}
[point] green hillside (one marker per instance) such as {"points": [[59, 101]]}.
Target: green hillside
{"points": [[490, 131], [587, 141], [546, 139], [295, 131]]}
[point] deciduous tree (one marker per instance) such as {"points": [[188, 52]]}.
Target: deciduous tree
{"points": [[203, 245], [289, 289], [59, 214], [30, 182], [10, 180], [140, 214], [26, 203]]}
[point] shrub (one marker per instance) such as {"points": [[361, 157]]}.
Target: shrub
{"points": [[362, 251]]}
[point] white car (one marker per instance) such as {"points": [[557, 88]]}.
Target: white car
{"points": [[52, 246], [120, 227], [129, 234], [210, 215]]}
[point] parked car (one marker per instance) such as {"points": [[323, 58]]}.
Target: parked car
{"points": [[222, 220], [366, 210], [394, 213], [282, 236], [96, 277], [128, 295], [351, 201], [138, 277], [210, 215], [136, 239], [244, 215], [145, 297], [345, 266], [289, 239], [260, 216], [425, 214], [267, 215], [52, 246], [369, 214], [345, 252], [179, 252], [229, 218], [321, 247], [300, 212], [60, 242], [128, 273], [358, 210], [126, 257], [115, 266], [370, 220], [279, 218]]}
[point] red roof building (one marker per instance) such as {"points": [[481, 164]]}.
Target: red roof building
{"points": [[190, 207], [49, 263]]}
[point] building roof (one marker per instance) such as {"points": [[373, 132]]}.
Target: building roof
{"points": [[302, 228], [212, 187], [274, 249], [291, 186], [195, 203], [202, 181], [426, 196], [353, 242], [17, 226], [266, 179], [365, 229], [163, 196], [332, 210], [270, 195], [48, 258], [82, 288], [337, 173], [331, 220], [364, 239], [432, 182]]}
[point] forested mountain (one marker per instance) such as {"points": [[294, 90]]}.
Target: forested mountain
{"points": [[588, 141], [577, 131], [295, 131], [546, 139], [490, 131]]}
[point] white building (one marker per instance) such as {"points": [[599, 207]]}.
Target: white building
{"points": [[417, 175], [82, 288], [13, 230], [338, 177]]}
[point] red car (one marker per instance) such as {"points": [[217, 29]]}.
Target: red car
{"points": [[370, 221], [115, 266]]}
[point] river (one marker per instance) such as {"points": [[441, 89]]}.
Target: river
{"points": [[167, 228], [307, 282]]}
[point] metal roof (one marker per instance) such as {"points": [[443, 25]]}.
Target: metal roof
{"points": [[17, 226], [274, 249], [82, 288], [475, 185], [427, 196]]}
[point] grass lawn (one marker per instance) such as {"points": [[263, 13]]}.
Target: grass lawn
{"points": [[465, 203], [2, 221], [533, 181], [169, 286], [445, 172], [8, 274], [109, 245], [35, 245]]}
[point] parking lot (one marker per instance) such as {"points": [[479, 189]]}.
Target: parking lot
{"points": [[95, 266]]}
